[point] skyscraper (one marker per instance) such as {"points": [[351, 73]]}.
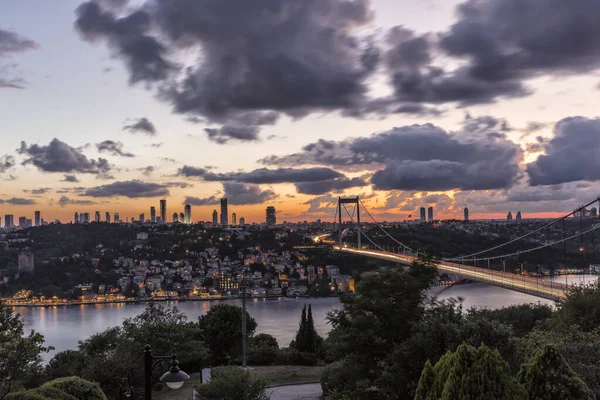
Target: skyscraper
{"points": [[76, 218], [242, 221], [271, 216], [9, 221], [215, 217], [509, 216], [224, 216], [152, 214], [175, 217], [593, 212], [233, 219], [38, 218], [430, 214], [182, 218], [116, 219], [163, 211], [518, 217], [86, 218], [22, 222], [423, 216], [107, 217], [188, 214], [97, 216], [466, 214], [142, 218]]}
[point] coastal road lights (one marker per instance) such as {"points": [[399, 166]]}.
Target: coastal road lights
{"points": [[174, 377]]}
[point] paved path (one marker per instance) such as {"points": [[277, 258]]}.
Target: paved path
{"points": [[308, 391]]}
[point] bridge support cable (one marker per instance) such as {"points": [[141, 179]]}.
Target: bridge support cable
{"points": [[384, 231], [537, 248], [361, 231], [551, 223]]}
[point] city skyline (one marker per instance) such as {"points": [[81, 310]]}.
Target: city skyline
{"points": [[413, 115]]}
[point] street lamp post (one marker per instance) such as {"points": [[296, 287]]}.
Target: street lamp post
{"points": [[242, 286], [174, 377]]}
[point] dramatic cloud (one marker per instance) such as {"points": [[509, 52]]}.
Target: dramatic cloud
{"points": [[573, 154], [66, 201], [142, 125], [132, 189], [60, 157], [114, 148], [6, 163], [11, 43], [70, 178], [237, 194], [329, 185], [17, 201], [256, 58], [264, 175], [228, 133], [423, 157]]}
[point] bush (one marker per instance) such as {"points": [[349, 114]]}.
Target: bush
{"points": [[77, 387], [26, 395], [264, 340], [294, 357], [262, 355], [232, 383], [54, 394]]}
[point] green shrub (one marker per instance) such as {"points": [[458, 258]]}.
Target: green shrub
{"points": [[26, 395], [262, 355], [294, 357], [232, 383], [54, 393], [77, 387]]}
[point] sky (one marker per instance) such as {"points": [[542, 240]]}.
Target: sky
{"points": [[112, 105]]}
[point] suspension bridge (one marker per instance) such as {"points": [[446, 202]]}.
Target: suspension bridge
{"points": [[402, 254]]}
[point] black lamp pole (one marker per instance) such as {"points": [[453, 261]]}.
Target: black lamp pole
{"points": [[174, 378]]}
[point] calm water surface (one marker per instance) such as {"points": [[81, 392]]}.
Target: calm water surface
{"points": [[63, 327]]}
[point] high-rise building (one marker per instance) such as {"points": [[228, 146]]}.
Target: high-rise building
{"points": [[509, 216], [97, 216], [518, 217], [9, 221], [224, 216], [76, 218], [423, 216], [593, 212], [430, 214], [242, 221], [233, 219], [215, 217], [152, 214], [86, 218], [466, 214], [116, 218], [142, 218], [38, 218], [182, 218], [107, 217], [22, 222], [188, 214], [271, 216], [163, 211], [175, 217], [29, 222]]}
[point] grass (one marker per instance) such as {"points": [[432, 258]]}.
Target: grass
{"points": [[275, 375]]}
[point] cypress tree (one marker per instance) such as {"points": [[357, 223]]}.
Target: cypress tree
{"points": [[301, 334], [548, 376], [307, 338], [426, 382]]}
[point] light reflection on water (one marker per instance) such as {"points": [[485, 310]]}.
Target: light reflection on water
{"points": [[64, 326]]}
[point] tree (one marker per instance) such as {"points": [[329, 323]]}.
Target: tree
{"points": [[581, 308], [548, 376], [222, 328], [131, 290], [77, 387], [307, 338], [470, 373], [232, 383], [522, 318], [264, 340], [20, 356]]}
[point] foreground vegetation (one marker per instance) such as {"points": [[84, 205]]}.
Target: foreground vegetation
{"points": [[389, 342]]}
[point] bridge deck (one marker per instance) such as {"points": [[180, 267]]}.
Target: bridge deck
{"points": [[525, 284]]}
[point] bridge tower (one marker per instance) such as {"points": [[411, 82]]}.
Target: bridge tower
{"points": [[356, 202]]}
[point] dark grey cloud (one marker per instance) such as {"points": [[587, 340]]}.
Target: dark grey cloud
{"points": [[329, 185], [147, 171], [132, 189], [114, 148], [70, 178], [67, 201], [38, 191], [18, 201], [58, 156], [11, 44], [157, 145], [573, 154], [260, 58], [264, 175], [141, 125], [423, 157], [6, 163], [237, 194], [228, 133]]}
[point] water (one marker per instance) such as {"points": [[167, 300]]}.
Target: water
{"points": [[63, 327]]}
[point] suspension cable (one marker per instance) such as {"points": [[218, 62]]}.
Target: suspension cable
{"points": [[361, 231], [557, 220], [384, 231]]}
